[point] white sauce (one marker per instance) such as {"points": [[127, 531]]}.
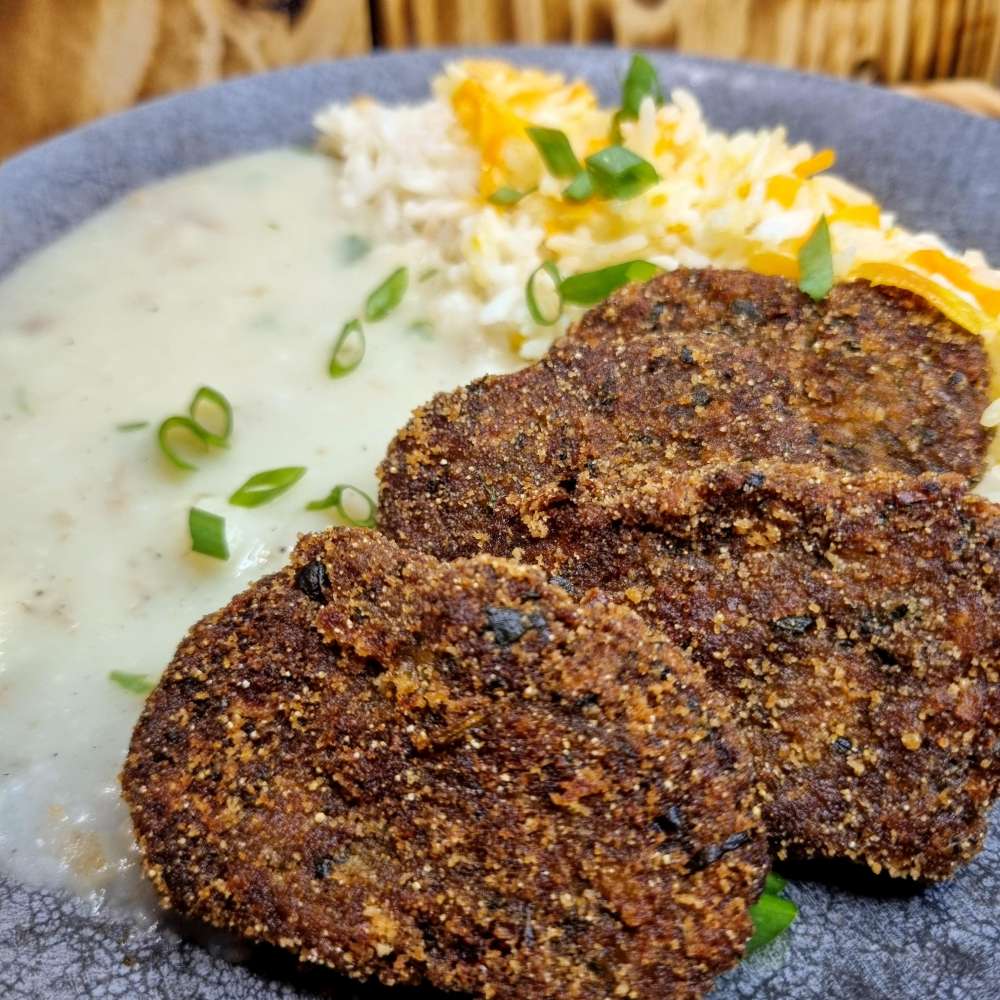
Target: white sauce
{"points": [[230, 276]]}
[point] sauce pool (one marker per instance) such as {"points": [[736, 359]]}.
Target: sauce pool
{"points": [[238, 276]]}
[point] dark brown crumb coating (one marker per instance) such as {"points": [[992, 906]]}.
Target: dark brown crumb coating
{"points": [[852, 621], [693, 367], [449, 773], [884, 378]]}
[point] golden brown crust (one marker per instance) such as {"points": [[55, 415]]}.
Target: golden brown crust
{"points": [[851, 621], [451, 773], [885, 379], [693, 367]]}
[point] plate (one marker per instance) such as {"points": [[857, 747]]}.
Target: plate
{"points": [[858, 936]]}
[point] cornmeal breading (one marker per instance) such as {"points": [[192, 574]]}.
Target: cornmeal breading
{"points": [[851, 621], [449, 773], [690, 368]]}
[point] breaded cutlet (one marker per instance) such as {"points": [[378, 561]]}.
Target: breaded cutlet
{"points": [[695, 366], [455, 774]]}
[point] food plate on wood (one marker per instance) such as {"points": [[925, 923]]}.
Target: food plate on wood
{"points": [[216, 317]]}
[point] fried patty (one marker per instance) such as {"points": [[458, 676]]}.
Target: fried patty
{"points": [[454, 774], [690, 368], [851, 621]]}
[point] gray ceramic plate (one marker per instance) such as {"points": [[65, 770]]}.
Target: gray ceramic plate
{"points": [[858, 937]]}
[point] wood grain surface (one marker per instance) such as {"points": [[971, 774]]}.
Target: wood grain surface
{"points": [[63, 62]]}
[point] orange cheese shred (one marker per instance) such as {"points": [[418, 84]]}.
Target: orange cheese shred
{"points": [[822, 160], [865, 214], [953, 306], [783, 189], [937, 262], [766, 262], [489, 124]]}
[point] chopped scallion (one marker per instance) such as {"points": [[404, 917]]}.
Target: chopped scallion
{"points": [[771, 915], [506, 196], [353, 247], [132, 425], [554, 148], [529, 293], [640, 82], [615, 136], [422, 328], [340, 496], [212, 397], [263, 487], [135, 683], [387, 296], [208, 533], [167, 431], [195, 426], [580, 188], [816, 262], [592, 287], [348, 349], [775, 884], [617, 172], [427, 273]]}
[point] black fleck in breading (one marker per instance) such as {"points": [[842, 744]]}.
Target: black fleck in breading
{"points": [[313, 581], [670, 821], [506, 624], [376, 783], [795, 624]]}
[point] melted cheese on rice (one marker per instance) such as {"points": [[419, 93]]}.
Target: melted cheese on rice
{"points": [[749, 199]]}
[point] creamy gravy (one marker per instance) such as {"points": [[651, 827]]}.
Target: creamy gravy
{"points": [[232, 276]]}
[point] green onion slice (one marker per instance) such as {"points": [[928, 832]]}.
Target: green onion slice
{"points": [[387, 296], [427, 273], [422, 328], [555, 150], [529, 293], [131, 425], [136, 683], [617, 172], [195, 427], [506, 196], [348, 349], [208, 533], [816, 262], [580, 189], [338, 498], [615, 136], [353, 247], [771, 915], [592, 287], [206, 395], [775, 883], [167, 430], [263, 487], [640, 82]]}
